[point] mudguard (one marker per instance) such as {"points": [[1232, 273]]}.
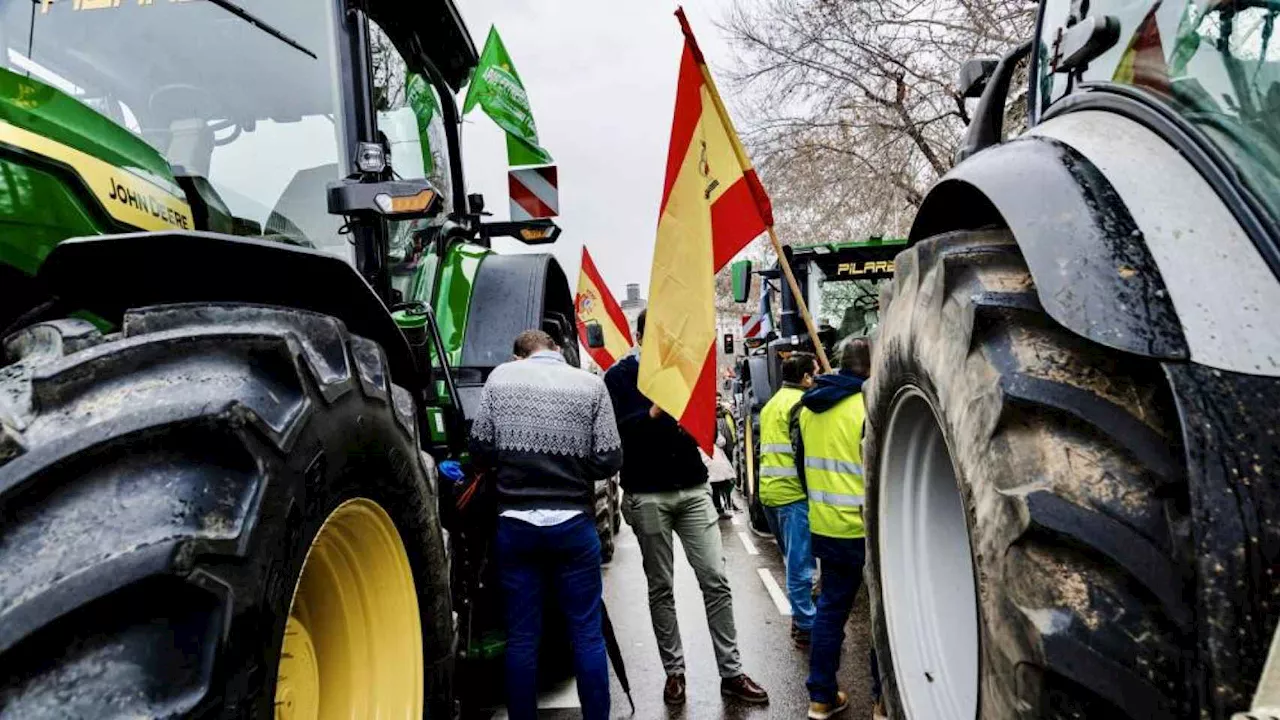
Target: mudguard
{"points": [[512, 293], [1091, 267], [1128, 244], [109, 274]]}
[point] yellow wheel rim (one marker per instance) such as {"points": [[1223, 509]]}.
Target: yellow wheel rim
{"points": [[353, 642]]}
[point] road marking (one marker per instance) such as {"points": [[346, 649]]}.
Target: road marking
{"points": [[737, 520], [775, 592], [746, 543]]}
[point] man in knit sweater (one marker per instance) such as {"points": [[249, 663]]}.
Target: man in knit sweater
{"points": [[545, 433]]}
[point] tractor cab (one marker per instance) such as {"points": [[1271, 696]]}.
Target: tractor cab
{"points": [[245, 112], [840, 286]]}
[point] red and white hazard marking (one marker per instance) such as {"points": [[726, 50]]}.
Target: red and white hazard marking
{"points": [[535, 193], [751, 325]]}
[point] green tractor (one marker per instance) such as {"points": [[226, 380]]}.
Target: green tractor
{"points": [[245, 307], [839, 283], [1072, 445]]}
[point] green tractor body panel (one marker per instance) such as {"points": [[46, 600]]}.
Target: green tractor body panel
{"points": [[452, 300], [37, 211], [51, 113], [45, 197]]}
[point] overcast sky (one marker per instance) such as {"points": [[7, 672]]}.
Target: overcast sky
{"points": [[601, 80]]}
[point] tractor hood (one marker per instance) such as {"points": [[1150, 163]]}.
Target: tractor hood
{"points": [[59, 120], [431, 26]]}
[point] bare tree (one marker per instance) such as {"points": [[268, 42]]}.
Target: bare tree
{"points": [[851, 106]]}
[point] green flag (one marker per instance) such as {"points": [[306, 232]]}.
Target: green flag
{"points": [[423, 101], [496, 87]]}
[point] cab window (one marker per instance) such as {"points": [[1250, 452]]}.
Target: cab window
{"points": [[409, 117]]}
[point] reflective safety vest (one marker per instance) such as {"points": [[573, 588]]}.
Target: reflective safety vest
{"points": [[833, 468], [779, 479], [732, 427]]}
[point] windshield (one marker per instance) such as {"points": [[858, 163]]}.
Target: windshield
{"points": [[240, 95], [852, 307], [1216, 62], [1224, 72]]}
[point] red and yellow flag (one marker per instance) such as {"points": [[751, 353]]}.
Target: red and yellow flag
{"points": [[595, 304], [712, 206]]}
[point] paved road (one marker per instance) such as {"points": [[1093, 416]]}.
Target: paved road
{"points": [[763, 638]]}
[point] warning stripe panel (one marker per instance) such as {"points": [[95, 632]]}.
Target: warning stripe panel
{"points": [[534, 193]]}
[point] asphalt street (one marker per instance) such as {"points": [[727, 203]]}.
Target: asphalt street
{"points": [[763, 623]]}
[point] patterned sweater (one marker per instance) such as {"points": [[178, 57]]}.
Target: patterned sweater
{"points": [[545, 431]]}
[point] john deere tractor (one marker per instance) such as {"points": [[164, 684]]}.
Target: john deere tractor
{"points": [[1072, 446], [245, 304]]}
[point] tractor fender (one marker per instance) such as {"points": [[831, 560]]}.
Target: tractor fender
{"points": [[511, 294], [1128, 244], [109, 274]]}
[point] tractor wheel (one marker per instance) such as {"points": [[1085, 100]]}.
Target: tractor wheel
{"points": [[220, 512], [1025, 504]]}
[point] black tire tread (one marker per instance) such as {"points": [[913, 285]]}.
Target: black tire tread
{"points": [[1065, 464], [146, 460]]}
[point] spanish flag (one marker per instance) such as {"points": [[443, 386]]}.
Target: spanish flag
{"points": [[595, 304], [712, 206]]}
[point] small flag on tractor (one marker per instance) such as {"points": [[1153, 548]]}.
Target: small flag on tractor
{"points": [[496, 87], [712, 206], [535, 193], [595, 304]]}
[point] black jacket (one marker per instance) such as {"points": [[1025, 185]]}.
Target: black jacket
{"points": [[545, 431], [657, 454]]}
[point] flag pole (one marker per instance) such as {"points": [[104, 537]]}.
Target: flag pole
{"points": [[800, 303]]}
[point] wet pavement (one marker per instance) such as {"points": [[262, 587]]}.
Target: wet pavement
{"points": [[768, 654]]}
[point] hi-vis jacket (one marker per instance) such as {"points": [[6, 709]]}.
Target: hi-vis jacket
{"points": [[779, 479], [830, 448]]}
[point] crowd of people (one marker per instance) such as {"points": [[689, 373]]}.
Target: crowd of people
{"points": [[546, 432]]}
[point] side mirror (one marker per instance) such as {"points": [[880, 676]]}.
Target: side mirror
{"points": [[392, 199], [973, 76], [595, 334], [741, 271]]}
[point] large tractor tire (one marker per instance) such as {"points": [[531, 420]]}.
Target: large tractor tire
{"points": [[1026, 504], [220, 512]]}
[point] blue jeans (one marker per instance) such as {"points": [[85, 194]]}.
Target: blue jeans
{"points": [[565, 558], [842, 561], [792, 533]]}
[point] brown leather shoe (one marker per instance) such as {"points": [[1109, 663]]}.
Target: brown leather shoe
{"points": [[673, 691], [745, 689]]}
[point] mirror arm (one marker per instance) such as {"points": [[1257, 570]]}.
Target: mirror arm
{"points": [[987, 127]]}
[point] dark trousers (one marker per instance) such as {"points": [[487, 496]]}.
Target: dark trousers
{"points": [[722, 495], [563, 559], [842, 561]]}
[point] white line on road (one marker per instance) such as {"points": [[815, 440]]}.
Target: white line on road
{"points": [[746, 543], [737, 520], [775, 592]]}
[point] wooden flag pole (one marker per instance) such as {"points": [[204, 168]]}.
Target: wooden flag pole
{"points": [[800, 303]]}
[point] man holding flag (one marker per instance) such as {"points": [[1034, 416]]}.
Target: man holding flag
{"points": [[665, 400]]}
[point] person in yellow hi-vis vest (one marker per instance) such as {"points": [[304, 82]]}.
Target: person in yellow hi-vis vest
{"points": [[826, 438], [782, 496]]}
